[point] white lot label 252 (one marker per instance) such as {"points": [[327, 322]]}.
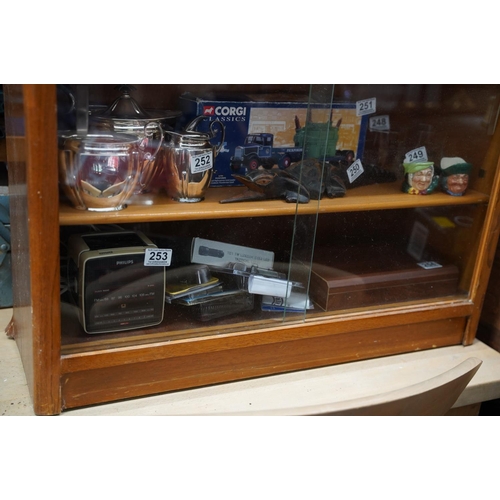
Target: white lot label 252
{"points": [[201, 162]]}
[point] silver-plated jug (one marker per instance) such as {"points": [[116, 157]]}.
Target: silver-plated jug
{"points": [[189, 160]]}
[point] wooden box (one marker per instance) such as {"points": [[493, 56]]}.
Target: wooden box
{"points": [[368, 275]]}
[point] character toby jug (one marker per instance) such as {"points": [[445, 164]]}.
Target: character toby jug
{"points": [[419, 178], [454, 175]]}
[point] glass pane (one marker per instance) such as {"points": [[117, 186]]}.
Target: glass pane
{"points": [[426, 151], [207, 197]]}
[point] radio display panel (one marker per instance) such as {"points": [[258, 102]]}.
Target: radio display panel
{"points": [[121, 293]]}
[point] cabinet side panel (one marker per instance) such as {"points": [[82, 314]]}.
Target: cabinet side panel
{"points": [[43, 208], [488, 240], [86, 387], [489, 324], [32, 155]]}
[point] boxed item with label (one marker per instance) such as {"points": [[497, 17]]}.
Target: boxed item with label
{"points": [[367, 275], [256, 280], [187, 251], [216, 253], [265, 132]]}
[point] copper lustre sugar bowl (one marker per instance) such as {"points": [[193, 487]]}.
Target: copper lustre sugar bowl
{"points": [[99, 172], [189, 160], [126, 116]]}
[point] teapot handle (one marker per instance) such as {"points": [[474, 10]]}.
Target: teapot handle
{"points": [[214, 132], [150, 158], [191, 126], [158, 126]]}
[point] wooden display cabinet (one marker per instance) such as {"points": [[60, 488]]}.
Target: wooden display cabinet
{"points": [[67, 368]]}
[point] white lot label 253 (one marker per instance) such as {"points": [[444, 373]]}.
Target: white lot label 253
{"points": [[157, 257]]}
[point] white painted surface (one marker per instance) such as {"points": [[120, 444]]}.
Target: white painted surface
{"points": [[307, 387]]}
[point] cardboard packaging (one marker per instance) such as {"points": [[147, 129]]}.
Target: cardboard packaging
{"points": [[361, 276], [187, 251], [253, 114], [216, 253]]}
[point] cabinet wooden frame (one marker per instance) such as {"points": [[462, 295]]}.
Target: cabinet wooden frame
{"points": [[60, 380]]}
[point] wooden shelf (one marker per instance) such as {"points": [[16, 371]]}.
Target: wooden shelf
{"points": [[146, 208]]}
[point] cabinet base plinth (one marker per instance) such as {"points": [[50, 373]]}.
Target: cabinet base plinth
{"points": [[102, 384]]}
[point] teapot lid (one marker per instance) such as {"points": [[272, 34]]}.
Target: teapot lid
{"points": [[125, 107]]}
